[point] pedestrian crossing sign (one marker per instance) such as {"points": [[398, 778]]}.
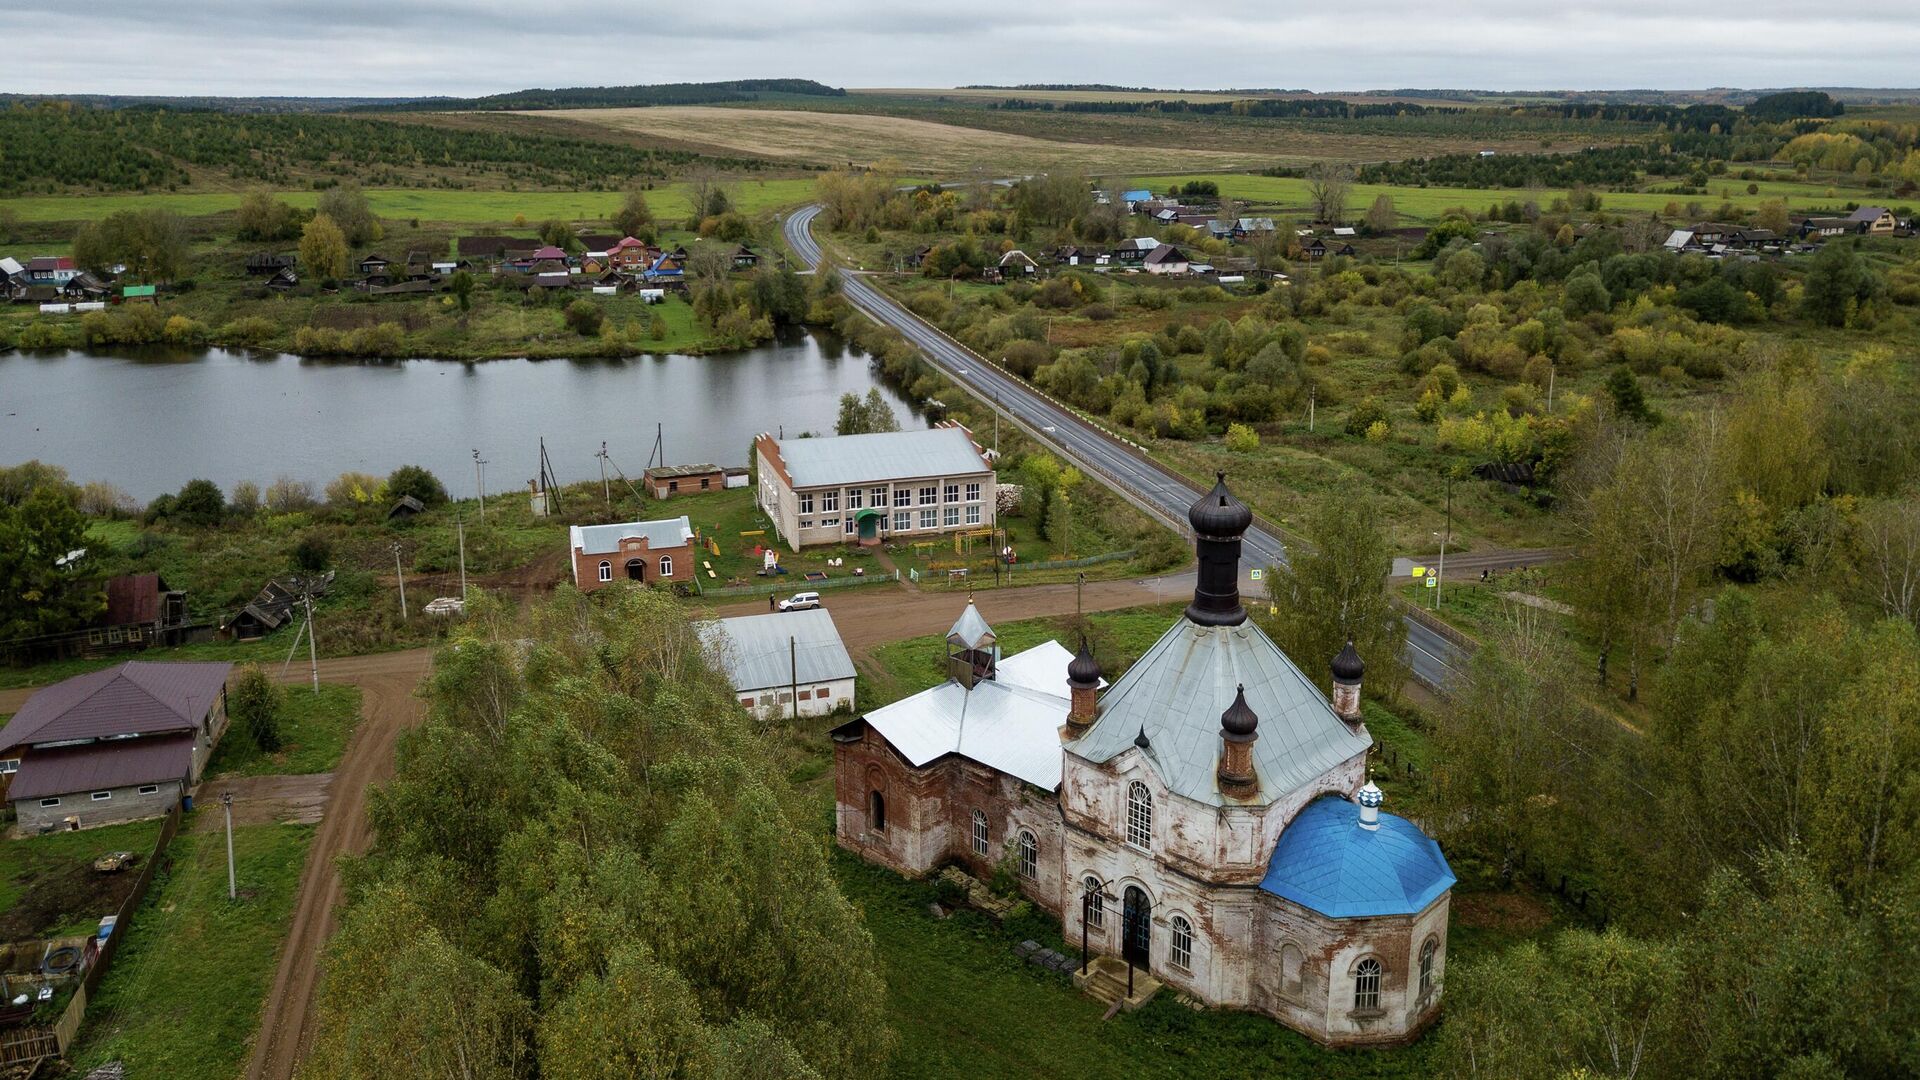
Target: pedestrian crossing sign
{"points": [[1433, 583]]}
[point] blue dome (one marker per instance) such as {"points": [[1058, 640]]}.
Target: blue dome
{"points": [[1326, 862]]}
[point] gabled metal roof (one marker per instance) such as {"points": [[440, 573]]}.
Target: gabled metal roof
{"points": [[1177, 691], [605, 539], [879, 456], [137, 697], [1326, 862], [1004, 725], [149, 759], [756, 653]]}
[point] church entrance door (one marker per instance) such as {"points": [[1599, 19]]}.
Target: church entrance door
{"points": [[1136, 927]]}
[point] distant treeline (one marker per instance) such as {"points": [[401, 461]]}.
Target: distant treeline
{"points": [[1793, 105], [55, 147], [1607, 166], [222, 104], [609, 97], [1314, 108]]}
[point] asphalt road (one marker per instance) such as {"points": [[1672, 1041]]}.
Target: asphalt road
{"points": [[1137, 478]]}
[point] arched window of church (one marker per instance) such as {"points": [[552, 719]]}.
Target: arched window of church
{"points": [[1029, 855], [1180, 950], [666, 566], [1427, 952], [1139, 815], [1366, 984], [1292, 979], [1096, 906], [980, 838], [877, 812]]}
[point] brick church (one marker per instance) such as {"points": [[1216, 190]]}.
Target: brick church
{"points": [[1206, 820]]}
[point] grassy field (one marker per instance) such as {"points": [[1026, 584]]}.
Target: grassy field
{"points": [[182, 1000], [48, 886], [668, 201], [1426, 205], [918, 145], [983, 93], [314, 729]]}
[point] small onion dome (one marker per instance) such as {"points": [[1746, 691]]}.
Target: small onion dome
{"points": [[1347, 666], [1083, 670], [1218, 514], [1370, 796], [1140, 740], [1239, 722]]}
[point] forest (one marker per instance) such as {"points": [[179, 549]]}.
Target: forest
{"points": [[54, 147], [589, 864], [620, 97]]}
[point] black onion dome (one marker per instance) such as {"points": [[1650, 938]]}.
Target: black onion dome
{"points": [[1083, 669], [1218, 513], [1347, 666], [1140, 740], [1239, 720]]}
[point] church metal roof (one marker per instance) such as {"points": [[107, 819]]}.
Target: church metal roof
{"points": [[1180, 687], [1009, 726], [1326, 862], [970, 630]]}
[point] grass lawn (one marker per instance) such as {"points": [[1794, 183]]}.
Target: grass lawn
{"points": [[314, 727], [183, 997], [48, 885], [462, 207], [964, 1006], [1118, 638]]}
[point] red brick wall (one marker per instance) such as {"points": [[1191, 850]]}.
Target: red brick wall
{"points": [[588, 566]]}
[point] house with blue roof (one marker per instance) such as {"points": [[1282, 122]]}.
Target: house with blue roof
{"points": [[1205, 822]]}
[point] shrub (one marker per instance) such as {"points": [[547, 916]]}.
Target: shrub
{"points": [[248, 331], [584, 317], [1378, 431], [354, 489], [313, 554], [254, 704], [200, 502], [245, 500], [287, 495], [1242, 439], [1365, 414]]}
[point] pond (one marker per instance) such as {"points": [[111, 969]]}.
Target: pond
{"points": [[150, 421]]}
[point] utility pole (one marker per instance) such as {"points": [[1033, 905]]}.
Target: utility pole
{"points": [[401, 574], [1552, 370], [605, 490], [313, 653], [793, 673], [480, 483], [460, 531], [233, 890], [1440, 573], [1313, 390]]}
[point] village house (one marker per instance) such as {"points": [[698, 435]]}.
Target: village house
{"points": [[119, 744], [785, 664], [11, 273], [665, 481], [1206, 822], [1166, 259], [644, 551], [1873, 220], [374, 266], [1018, 263], [482, 250], [631, 256], [50, 270], [1824, 227], [895, 484], [745, 258]]}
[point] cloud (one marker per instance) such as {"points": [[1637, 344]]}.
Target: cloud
{"points": [[414, 47]]}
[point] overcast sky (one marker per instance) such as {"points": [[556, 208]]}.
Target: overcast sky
{"points": [[465, 47]]}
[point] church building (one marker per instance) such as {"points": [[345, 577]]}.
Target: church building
{"points": [[1206, 819]]}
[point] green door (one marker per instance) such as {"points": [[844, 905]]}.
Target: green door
{"points": [[869, 524]]}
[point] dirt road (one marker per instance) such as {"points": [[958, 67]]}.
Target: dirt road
{"points": [[877, 615], [264, 800], [388, 707]]}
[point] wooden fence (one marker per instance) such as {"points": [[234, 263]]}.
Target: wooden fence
{"points": [[31, 1044]]}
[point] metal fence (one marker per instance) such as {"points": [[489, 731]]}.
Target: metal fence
{"points": [[797, 583]]}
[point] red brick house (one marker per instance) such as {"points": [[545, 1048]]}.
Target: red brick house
{"points": [[644, 551]]}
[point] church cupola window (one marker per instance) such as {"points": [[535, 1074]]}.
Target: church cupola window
{"points": [[1139, 816]]}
